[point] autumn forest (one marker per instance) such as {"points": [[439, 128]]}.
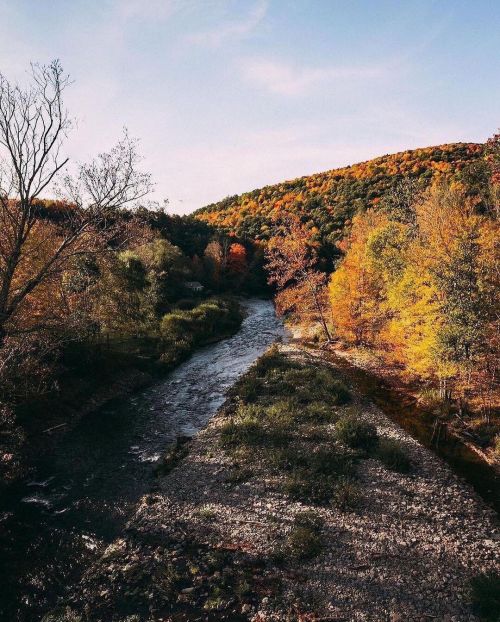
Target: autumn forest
{"points": [[398, 255], [390, 265]]}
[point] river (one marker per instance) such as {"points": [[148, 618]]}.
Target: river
{"points": [[76, 501]]}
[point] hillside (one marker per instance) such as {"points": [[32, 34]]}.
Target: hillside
{"points": [[331, 198]]}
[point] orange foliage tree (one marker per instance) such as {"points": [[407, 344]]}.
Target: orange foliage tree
{"points": [[291, 263], [33, 125]]}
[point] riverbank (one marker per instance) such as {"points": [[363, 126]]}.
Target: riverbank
{"points": [[284, 508], [473, 430], [80, 496], [92, 379]]}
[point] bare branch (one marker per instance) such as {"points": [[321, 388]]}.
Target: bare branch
{"points": [[33, 126]]}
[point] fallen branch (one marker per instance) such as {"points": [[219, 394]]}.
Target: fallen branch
{"points": [[54, 427]]}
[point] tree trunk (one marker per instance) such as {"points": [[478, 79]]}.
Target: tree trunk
{"points": [[321, 314]]}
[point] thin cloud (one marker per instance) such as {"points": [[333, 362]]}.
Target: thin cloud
{"points": [[287, 79], [147, 9], [232, 30]]}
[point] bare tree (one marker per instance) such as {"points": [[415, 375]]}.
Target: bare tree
{"points": [[33, 126]]}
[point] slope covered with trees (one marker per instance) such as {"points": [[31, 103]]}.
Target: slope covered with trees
{"points": [[328, 201]]}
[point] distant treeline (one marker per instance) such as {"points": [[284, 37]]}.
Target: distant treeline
{"points": [[326, 202]]}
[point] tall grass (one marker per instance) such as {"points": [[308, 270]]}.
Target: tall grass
{"points": [[282, 423]]}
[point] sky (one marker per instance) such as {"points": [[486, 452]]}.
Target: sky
{"points": [[230, 95]]}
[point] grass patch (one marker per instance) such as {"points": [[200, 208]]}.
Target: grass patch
{"points": [[281, 423], [206, 511], [64, 614], [347, 494], [314, 476], [174, 455], [251, 426], [245, 431], [275, 376], [305, 539], [357, 434], [486, 596], [306, 385], [393, 456]]}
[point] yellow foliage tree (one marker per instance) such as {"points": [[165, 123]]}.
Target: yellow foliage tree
{"points": [[426, 292]]}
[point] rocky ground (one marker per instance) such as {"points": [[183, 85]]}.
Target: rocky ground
{"points": [[473, 429], [209, 542]]}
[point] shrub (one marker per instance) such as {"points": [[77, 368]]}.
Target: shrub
{"points": [[486, 596], [249, 388], [309, 519], [177, 452], [210, 318], [238, 475], [304, 543], [177, 351], [485, 432], [496, 446], [313, 474], [308, 487], [346, 494], [331, 460], [329, 389], [393, 456], [357, 434], [305, 540], [176, 326]]}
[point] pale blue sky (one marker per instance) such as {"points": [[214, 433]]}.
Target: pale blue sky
{"points": [[230, 95]]}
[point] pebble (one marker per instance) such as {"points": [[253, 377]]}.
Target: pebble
{"points": [[422, 536]]}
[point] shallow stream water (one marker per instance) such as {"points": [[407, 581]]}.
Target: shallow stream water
{"points": [[78, 499]]}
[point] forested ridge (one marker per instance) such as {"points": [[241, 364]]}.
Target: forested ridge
{"points": [[330, 199]]}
